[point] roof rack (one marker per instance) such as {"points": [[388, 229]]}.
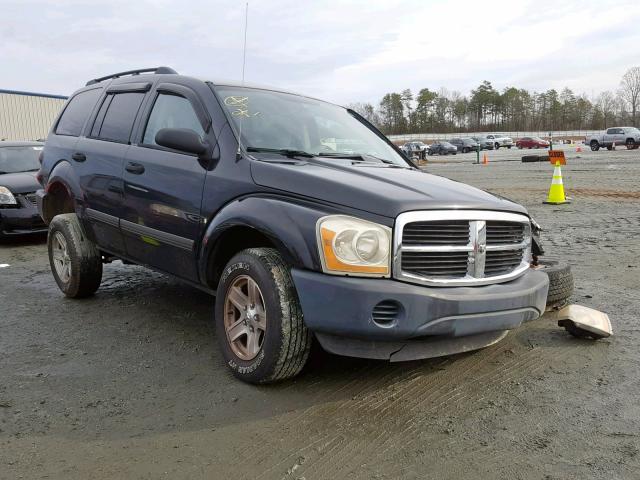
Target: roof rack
{"points": [[168, 70]]}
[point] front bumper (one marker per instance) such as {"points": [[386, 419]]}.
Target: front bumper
{"points": [[21, 221], [431, 321]]}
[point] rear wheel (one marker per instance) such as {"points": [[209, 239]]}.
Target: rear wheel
{"points": [[259, 322], [75, 261]]}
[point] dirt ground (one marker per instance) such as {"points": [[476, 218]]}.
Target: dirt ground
{"points": [[130, 384]]}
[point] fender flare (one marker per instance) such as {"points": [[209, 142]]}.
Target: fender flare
{"points": [[63, 174], [290, 224]]}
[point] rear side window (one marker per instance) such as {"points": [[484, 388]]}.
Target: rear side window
{"points": [[116, 116], [171, 111], [76, 113]]}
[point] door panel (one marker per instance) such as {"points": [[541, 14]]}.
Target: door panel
{"points": [[101, 181], [163, 190], [161, 217]]}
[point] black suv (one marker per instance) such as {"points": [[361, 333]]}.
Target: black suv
{"points": [[298, 215]]}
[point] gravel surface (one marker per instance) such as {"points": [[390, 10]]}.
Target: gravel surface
{"points": [[130, 384]]}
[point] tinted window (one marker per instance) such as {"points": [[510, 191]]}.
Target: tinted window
{"points": [[171, 111], [116, 115], [76, 112]]}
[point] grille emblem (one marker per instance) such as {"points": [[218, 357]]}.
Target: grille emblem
{"points": [[478, 255]]}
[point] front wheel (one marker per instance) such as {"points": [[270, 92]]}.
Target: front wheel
{"points": [[75, 261], [497, 146], [595, 146], [631, 144], [259, 321]]}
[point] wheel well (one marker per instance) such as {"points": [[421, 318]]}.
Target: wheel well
{"points": [[232, 241], [593, 141], [630, 140], [59, 200]]}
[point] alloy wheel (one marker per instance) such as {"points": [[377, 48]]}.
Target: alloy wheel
{"points": [[61, 259], [245, 317]]}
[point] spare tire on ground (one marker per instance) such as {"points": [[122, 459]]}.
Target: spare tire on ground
{"points": [[560, 282]]}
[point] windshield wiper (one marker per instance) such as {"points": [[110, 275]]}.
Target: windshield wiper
{"points": [[282, 151], [358, 156]]}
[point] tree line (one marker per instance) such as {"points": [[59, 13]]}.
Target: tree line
{"points": [[512, 109]]}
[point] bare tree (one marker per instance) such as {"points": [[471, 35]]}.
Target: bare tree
{"points": [[630, 91], [607, 105]]}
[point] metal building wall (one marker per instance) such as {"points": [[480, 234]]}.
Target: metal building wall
{"points": [[27, 116]]}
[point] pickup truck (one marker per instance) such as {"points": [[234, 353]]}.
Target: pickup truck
{"points": [[418, 149], [628, 136], [236, 190], [500, 140]]}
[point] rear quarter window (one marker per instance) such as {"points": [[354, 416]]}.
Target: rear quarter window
{"points": [[76, 112]]}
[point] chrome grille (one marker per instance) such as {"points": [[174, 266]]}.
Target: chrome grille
{"points": [[461, 247], [504, 233], [445, 232]]}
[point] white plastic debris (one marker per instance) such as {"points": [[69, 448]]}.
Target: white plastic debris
{"points": [[584, 322]]}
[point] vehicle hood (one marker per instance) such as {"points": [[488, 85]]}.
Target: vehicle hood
{"points": [[23, 182], [381, 190]]}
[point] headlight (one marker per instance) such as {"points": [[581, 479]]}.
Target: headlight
{"points": [[6, 197], [349, 245]]}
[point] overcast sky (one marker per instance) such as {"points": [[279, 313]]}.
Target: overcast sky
{"points": [[343, 51]]}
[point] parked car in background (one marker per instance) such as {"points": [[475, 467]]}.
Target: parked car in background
{"points": [[532, 142], [18, 210], [485, 143], [442, 148], [500, 140], [419, 149], [628, 136], [465, 145]]}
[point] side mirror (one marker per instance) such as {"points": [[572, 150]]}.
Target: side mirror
{"points": [[182, 139]]}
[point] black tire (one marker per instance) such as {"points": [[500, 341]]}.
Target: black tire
{"points": [[630, 144], [287, 341], [560, 283], [81, 258], [595, 146], [497, 146], [509, 147]]}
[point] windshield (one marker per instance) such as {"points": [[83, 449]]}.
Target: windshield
{"points": [[19, 159], [283, 121]]}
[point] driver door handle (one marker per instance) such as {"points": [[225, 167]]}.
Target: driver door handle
{"points": [[134, 168], [79, 157]]}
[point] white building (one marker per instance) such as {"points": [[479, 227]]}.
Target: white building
{"points": [[27, 116]]}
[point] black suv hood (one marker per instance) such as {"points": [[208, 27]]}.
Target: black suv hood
{"points": [[382, 190], [23, 182]]}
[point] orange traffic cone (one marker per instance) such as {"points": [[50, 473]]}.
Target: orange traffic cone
{"points": [[556, 192], [578, 149], [485, 159]]}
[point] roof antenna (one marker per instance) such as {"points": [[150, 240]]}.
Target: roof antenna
{"points": [[244, 61]]}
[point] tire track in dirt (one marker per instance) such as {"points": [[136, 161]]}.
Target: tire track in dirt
{"points": [[441, 402], [407, 410]]}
